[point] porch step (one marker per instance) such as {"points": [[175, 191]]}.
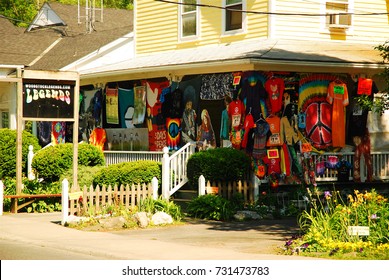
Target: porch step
{"points": [[183, 197]]}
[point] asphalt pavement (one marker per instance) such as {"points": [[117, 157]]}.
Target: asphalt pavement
{"points": [[194, 240]]}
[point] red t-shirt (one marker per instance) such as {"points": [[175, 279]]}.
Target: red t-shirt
{"points": [[275, 88], [273, 165], [236, 112]]}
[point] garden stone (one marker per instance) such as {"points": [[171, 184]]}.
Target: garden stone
{"points": [[114, 222], [161, 218], [247, 215], [142, 219]]}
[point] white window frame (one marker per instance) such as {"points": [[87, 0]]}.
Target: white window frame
{"points": [[336, 27], [224, 22], [181, 14]]}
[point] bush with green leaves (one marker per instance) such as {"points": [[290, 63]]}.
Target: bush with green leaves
{"points": [[8, 151], [85, 175], [134, 172], [211, 207], [34, 187], [52, 162], [220, 164], [153, 206]]}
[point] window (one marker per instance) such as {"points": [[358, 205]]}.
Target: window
{"points": [[188, 11], [4, 120], [233, 15], [337, 14]]}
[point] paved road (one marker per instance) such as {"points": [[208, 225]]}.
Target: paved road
{"points": [[197, 240]]}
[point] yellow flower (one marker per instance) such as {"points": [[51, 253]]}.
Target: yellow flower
{"points": [[350, 197]]}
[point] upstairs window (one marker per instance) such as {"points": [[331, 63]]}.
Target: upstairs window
{"points": [[189, 18], [338, 16], [233, 15]]}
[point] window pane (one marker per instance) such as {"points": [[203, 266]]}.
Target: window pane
{"points": [[189, 25], [229, 2], [4, 120], [234, 19], [189, 8]]}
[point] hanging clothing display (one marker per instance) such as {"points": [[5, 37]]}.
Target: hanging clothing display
{"points": [[206, 135], [126, 107], [313, 91], [274, 122], [256, 97], [112, 106], [275, 88], [155, 121], [173, 133], [139, 105], [58, 133], [236, 112], [338, 97], [215, 86], [98, 138]]}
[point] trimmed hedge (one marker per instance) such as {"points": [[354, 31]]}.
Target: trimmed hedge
{"points": [[8, 151], [220, 164], [134, 172], [52, 162]]}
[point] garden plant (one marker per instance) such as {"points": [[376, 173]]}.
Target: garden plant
{"points": [[326, 226]]}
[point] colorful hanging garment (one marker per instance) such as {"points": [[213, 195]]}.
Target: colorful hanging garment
{"points": [[173, 133], [112, 105], [58, 133], [338, 97], [156, 123], [98, 138], [126, 107], [139, 105], [312, 101]]}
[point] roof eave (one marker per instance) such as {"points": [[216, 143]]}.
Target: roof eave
{"points": [[232, 65]]}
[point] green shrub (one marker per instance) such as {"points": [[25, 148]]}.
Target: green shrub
{"points": [[8, 151], [153, 206], [85, 175], [221, 164], [34, 187], [134, 172], [211, 207], [52, 162]]}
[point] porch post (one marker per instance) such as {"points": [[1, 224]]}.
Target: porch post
{"points": [[65, 201], [1, 197], [165, 174]]}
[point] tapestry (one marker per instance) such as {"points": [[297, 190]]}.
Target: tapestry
{"points": [[312, 101], [155, 121], [139, 105], [112, 106], [126, 107], [58, 133], [87, 115], [173, 133], [216, 86]]}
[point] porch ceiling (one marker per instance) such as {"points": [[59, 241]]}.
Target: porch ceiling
{"points": [[269, 55]]}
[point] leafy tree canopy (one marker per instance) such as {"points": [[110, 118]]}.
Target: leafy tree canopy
{"points": [[22, 12]]}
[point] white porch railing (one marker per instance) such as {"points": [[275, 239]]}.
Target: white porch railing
{"points": [[380, 163], [174, 174], [113, 157]]}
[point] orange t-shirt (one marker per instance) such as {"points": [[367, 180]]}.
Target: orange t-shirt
{"points": [[338, 96]]}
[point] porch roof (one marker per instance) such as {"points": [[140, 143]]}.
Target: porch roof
{"points": [[270, 55]]}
